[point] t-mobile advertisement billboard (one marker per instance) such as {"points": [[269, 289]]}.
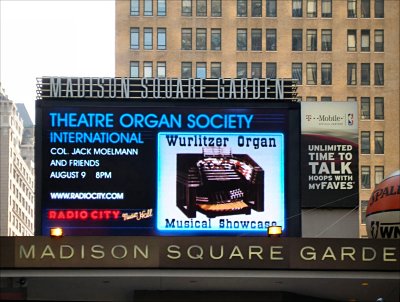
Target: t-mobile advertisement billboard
{"points": [[329, 154]]}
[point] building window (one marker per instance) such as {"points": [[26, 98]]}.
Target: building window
{"points": [[161, 69], [148, 38], [256, 70], [215, 70], [379, 174], [148, 7], [379, 9], [216, 8], [379, 74], [241, 6], [241, 70], [379, 142], [186, 70], [351, 74], [134, 38], [311, 8], [351, 40], [326, 40], [365, 177], [297, 39], [365, 142], [215, 39], [365, 8], [161, 8], [201, 8], [379, 108], [379, 41], [256, 39], [186, 38], [365, 41], [241, 40], [297, 72], [351, 99], [256, 8], [297, 8], [161, 38], [364, 205], [186, 8], [365, 108], [201, 70], [311, 39], [271, 39], [311, 99], [326, 9], [311, 73], [271, 8], [201, 39], [326, 74], [148, 69], [134, 7], [365, 74], [326, 99], [351, 8], [134, 69], [271, 70]]}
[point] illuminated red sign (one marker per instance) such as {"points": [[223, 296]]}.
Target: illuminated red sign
{"points": [[84, 214]]}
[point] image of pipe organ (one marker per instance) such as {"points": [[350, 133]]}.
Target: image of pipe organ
{"points": [[218, 183]]}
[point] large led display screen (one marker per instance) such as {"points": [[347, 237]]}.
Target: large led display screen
{"points": [[167, 168]]}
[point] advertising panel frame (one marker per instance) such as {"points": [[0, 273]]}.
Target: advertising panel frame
{"points": [[329, 155], [292, 141]]}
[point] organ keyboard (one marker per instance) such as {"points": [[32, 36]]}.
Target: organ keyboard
{"points": [[219, 183]]}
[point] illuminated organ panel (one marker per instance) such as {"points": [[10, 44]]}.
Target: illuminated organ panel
{"points": [[219, 183]]}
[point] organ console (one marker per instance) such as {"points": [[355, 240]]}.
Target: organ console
{"points": [[218, 183]]}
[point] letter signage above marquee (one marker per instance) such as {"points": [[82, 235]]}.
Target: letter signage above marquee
{"points": [[166, 88], [176, 167]]}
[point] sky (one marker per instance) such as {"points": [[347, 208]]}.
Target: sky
{"points": [[53, 38]]}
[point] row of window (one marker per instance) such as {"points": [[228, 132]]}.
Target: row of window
{"points": [[201, 39], [365, 9], [326, 73], [271, 71], [379, 173], [365, 140], [379, 71], [326, 40], [201, 69], [148, 38], [326, 8], [366, 176], [256, 8], [379, 112], [201, 8], [256, 40], [365, 40], [161, 7], [312, 74], [315, 99], [186, 69]]}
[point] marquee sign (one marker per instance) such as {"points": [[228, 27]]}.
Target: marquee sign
{"points": [[249, 253], [180, 167]]}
